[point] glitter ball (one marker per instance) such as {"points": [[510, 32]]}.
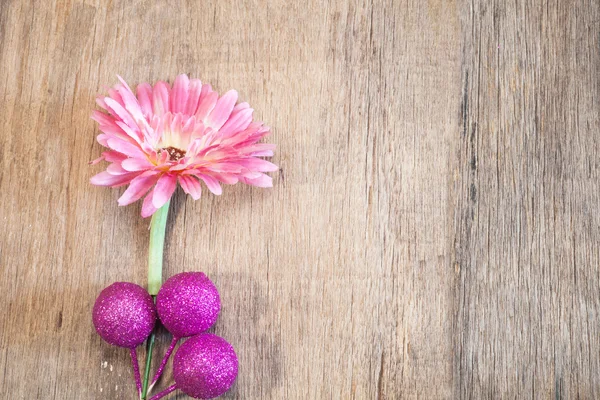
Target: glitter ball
{"points": [[188, 304], [205, 366], [124, 314]]}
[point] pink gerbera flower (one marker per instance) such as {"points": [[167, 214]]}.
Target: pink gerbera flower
{"points": [[184, 134]]}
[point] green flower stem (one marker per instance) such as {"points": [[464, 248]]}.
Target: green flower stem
{"points": [[157, 244], [155, 263], [148, 362]]}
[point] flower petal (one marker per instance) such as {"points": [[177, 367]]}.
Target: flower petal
{"points": [[226, 167], [164, 190], [96, 161], [222, 110], [195, 147], [131, 103], [102, 118], [144, 95], [264, 153], [120, 111], [147, 208], [263, 181], [258, 164], [240, 107], [127, 148], [136, 164], [106, 179], [160, 98], [116, 169], [191, 186], [207, 103], [138, 187], [101, 103], [113, 156], [193, 97], [116, 96], [212, 184], [134, 134], [238, 122], [229, 179], [257, 148], [179, 94]]}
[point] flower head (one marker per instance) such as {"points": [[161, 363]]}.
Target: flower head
{"points": [[184, 134]]}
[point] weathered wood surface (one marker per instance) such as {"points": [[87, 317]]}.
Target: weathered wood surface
{"points": [[433, 232]]}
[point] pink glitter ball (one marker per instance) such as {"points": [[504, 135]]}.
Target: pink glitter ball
{"points": [[205, 366], [124, 314], [188, 304]]}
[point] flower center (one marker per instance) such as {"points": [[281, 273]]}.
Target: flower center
{"points": [[175, 154]]}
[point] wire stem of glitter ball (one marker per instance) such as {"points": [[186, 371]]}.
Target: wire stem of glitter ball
{"points": [[165, 392], [164, 361], [136, 370]]}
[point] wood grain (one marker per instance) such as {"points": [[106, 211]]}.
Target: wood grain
{"points": [[527, 217], [433, 230]]}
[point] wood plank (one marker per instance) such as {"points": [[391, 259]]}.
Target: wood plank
{"points": [[526, 216]]}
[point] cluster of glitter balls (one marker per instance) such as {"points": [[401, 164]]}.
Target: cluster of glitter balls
{"points": [[205, 365]]}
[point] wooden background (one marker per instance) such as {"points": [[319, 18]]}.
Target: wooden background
{"points": [[433, 232]]}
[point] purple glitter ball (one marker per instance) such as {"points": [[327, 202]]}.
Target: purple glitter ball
{"points": [[124, 314], [205, 366], [188, 304]]}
